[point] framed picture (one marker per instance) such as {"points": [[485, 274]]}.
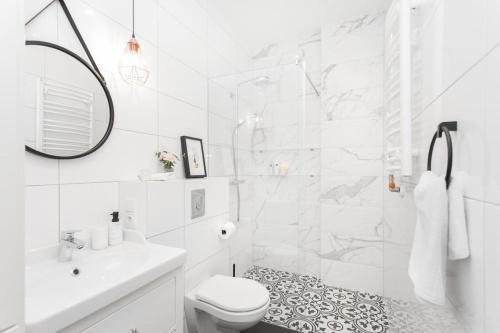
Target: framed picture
{"points": [[193, 157]]}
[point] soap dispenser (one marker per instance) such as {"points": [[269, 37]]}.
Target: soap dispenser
{"points": [[115, 230]]}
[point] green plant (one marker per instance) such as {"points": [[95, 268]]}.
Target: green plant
{"points": [[167, 159]]}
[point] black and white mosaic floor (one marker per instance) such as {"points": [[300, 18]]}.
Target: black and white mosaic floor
{"points": [[304, 304]]}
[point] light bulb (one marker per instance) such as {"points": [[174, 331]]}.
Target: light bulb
{"points": [[133, 67]]}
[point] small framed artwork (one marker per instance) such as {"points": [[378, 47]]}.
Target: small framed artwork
{"points": [[193, 157]]}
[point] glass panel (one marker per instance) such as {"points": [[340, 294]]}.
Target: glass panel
{"points": [[275, 188]]}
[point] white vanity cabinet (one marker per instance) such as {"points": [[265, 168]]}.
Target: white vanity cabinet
{"points": [[155, 308], [153, 312]]}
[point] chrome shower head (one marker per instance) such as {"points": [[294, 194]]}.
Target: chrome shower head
{"points": [[262, 81]]}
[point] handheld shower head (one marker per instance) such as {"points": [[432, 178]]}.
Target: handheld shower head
{"points": [[250, 119]]}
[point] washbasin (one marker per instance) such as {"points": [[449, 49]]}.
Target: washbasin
{"points": [[61, 293]]}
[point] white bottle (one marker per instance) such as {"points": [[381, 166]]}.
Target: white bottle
{"points": [[115, 230], [99, 237]]}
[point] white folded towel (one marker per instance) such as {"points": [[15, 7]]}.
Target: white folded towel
{"points": [[427, 267], [458, 241]]}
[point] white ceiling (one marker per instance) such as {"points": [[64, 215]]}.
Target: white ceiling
{"points": [[259, 22]]}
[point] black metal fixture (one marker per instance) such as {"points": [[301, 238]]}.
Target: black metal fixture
{"points": [[93, 69], [446, 128]]}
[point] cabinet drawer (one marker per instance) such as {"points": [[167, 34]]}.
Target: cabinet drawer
{"points": [[152, 313]]}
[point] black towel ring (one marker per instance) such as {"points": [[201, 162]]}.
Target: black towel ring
{"points": [[445, 127]]}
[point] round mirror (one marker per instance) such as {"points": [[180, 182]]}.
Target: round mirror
{"points": [[68, 111]]}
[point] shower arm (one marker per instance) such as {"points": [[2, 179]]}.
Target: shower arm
{"points": [[300, 63]]}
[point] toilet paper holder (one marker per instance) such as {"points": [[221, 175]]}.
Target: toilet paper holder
{"points": [[225, 230]]}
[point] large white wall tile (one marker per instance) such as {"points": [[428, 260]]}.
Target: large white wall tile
{"points": [[42, 216], [491, 266], [180, 81], [352, 276], [215, 264], [217, 65], [220, 130], [179, 42], [463, 44], [219, 39], [338, 78], [164, 212], [190, 13], [358, 37], [40, 170], [492, 24], [352, 161], [466, 277], [177, 118], [352, 133], [135, 109], [220, 162], [146, 20], [154, 207], [221, 101], [45, 26], [491, 135], [202, 240], [121, 158], [464, 102], [174, 238], [83, 206]]}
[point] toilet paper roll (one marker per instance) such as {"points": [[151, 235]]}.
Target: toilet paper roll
{"points": [[99, 237], [226, 230]]}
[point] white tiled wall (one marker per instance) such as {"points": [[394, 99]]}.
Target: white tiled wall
{"points": [[162, 210], [457, 59], [185, 46]]}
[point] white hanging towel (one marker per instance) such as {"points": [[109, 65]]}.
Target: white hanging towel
{"points": [[458, 241], [427, 267]]}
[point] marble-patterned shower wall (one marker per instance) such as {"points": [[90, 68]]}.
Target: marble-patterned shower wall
{"points": [[312, 165], [280, 156], [352, 227]]}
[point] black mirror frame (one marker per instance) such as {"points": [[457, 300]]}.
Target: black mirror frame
{"points": [[106, 91], [92, 67]]}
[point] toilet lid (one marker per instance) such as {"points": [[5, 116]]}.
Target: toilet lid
{"points": [[233, 294]]}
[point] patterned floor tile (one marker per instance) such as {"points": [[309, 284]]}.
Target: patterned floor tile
{"points": [[304, 304]]}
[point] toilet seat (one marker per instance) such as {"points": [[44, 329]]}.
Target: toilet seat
{"points": [[225, 304], [233, 295]]}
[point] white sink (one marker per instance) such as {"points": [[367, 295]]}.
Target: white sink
{"points": [[57, 297]]}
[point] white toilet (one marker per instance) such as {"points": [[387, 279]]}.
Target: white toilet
{"points": [[225, 304]]}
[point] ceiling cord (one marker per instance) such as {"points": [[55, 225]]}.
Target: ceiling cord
{"points": [[133, 18]]}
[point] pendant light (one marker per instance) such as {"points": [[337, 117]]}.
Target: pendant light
{"points": [[133, 67]]}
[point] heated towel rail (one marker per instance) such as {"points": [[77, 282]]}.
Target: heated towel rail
{"points": [[64, 118]]}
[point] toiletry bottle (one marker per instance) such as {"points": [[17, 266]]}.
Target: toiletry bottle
{"points": [[99, 237], [115, 230]]}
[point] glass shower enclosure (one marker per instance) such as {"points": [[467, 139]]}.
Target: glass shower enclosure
{"points": [[274, 163]]}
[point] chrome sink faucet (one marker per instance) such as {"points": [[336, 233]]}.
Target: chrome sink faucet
{"points": [[67, 243]]}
